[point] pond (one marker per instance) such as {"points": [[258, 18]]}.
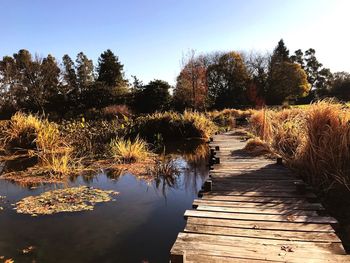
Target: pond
{"points": [[139, 226]]}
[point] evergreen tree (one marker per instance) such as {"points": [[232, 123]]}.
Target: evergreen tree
{"points": [[84, 69], [154, 97], [69, 75], [110, 70]]}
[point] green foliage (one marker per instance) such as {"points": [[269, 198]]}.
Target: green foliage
{"points": [[153, 97], [227, 81], [287, 81]]}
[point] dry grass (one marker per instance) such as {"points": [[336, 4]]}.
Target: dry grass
{"points": [[257, 147], [41, 138], [315, 140], [128, 151]]}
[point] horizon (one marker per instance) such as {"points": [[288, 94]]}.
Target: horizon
{"points": [[150, 41]]}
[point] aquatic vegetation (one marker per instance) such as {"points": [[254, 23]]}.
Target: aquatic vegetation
{"points": [[165, 171], [129, 151], [91, 138], [73, 199], [314, 140], [172, 125]]}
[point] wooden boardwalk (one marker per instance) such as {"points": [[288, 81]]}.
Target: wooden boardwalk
{"points": [[256, 211]]}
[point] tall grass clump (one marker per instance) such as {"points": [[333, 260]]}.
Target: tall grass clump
{"points": [[37, 137], [314, 140], [129, 151], [172, 125]]}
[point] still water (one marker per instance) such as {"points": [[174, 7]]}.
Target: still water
{"points": [[140, 226]]}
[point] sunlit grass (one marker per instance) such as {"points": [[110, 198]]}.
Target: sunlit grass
{"points": [[315, 140], [41, 138], [129, 151]]}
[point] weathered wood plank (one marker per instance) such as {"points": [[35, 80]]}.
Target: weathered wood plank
{"points": [[262, 217], [263, 194], [266, 234], [276, 200], [257, 253], [255, 210], [264, 225], [297, 206], [249, 250]]}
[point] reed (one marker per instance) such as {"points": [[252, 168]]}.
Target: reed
{"points": [[315, 140]]}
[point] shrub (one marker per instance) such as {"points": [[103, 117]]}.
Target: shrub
{"points": [[115, 111], [90, 138], [173, 125]]}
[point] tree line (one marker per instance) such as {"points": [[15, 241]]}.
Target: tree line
{"points": [[208, 81]]}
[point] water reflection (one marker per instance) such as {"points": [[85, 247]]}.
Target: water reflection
{"points": [[141, 225]]}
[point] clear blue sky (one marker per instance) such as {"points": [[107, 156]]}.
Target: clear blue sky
{"points": [[150, 36]]}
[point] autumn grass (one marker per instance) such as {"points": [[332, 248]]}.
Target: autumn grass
{"points": [[129, 151], [314, 140], [37, 137], [257, 147]]}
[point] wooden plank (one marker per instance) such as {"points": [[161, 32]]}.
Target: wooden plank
{"points": [[261, 224], [262, 217], [271, 253], [226, 240], [297, 206], [266, 234], [263, 194], [257, 210], [251, 183], [255, 187], [276, 200], [247, 248], [192, 257]]}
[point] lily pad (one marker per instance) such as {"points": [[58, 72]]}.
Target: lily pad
{"points": [[73, 199]]}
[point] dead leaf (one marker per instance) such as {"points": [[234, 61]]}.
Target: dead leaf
{"points": [[287, 248]]}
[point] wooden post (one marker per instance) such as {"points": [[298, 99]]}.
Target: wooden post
{"points": [[217, 160], [212, 152], [207, 185], [300, 187], [211, 139], [217, 148], [177, 258], [279, 161]]}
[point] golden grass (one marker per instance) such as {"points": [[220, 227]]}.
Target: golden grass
{"points": [[257, 147], [315, 140], [41, 138], [128, 151]]}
